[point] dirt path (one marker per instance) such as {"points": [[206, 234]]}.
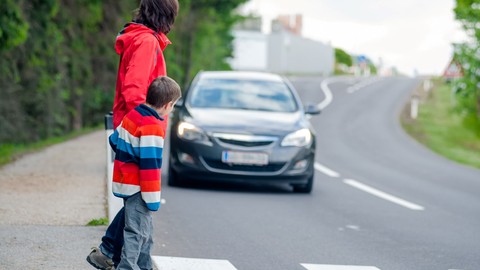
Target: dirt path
{"points": [[61, 185]]}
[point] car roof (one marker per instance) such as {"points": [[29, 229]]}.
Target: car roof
{"points": [[243, 75]]}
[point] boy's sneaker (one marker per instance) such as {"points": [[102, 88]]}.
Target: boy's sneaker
{"points": [[100, 261]]}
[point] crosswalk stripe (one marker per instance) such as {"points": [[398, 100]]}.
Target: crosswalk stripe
{"points": [[179, 263], [337, 267]]}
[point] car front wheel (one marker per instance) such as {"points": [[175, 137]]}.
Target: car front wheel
{"points": [[173, 179], [305, 188]]}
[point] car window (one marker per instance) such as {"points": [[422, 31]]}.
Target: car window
{"points": [[243, 94]]}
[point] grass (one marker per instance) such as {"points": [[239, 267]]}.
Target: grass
{"points": [[11, 152], [98, 222], [443, 130]]}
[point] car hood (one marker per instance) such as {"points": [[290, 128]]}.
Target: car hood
{"points": [[247, 122]]}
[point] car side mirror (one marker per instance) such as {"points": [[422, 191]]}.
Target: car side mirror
{"points": [[312, 109], [179, 103]]}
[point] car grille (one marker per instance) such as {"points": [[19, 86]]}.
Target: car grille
{"points": [[244, 140], [272, 167], [245, 143]]}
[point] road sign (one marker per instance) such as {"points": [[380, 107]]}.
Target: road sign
{"points": [[453, 70], [361, 59]]}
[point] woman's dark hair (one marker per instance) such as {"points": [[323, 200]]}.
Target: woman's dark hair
{"points": [[158, 15]]}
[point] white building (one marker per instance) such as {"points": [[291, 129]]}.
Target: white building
{"points": [[250, 51], [281, 51]]}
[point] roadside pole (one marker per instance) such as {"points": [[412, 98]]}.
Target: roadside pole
{"points": [[414, 106], [427, 85], [114, 203]]}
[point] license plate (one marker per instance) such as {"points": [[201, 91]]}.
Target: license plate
{"points": [[245, 158]]}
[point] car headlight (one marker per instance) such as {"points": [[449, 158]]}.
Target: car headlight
{"points": [[298, 138], [190, 132]]}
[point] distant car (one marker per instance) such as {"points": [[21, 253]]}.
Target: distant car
{"points": [[242, 126]]}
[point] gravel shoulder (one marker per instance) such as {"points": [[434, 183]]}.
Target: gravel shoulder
{"points": [[47, 198], [64, 184]]}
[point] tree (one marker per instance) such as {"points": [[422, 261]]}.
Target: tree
{"points": [[14, 27], [58, 66], [201, 38], [13, 33], [467, 89], [342, 57]]}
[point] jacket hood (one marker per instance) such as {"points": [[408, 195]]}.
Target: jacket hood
{"points": [[133, 30]]}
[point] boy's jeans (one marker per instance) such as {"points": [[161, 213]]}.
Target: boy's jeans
{"points": [[137, 235], [112, 241]]}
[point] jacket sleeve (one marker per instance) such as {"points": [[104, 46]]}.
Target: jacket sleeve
{"points": [[138, 70], [113, 140], [150, 164]]}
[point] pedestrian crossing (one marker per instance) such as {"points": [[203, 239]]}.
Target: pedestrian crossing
{"points": [[337, 267], [179, 263]]}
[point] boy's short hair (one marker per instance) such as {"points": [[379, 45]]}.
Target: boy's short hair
{"points": [[162, 91], [158, 15]]}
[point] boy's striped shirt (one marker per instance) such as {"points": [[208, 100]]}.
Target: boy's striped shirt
{"points": [[138, 145]]}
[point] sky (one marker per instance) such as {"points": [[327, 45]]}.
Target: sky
{"points": [[415, 36]]}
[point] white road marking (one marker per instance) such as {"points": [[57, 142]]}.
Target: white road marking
{"points": [[383, 195], [328, 93], [337, 267], [362, 84], [353, 227], [179, 263], [319, 167]]}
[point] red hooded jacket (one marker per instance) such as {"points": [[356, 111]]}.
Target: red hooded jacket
{"points": [[141, 61]]}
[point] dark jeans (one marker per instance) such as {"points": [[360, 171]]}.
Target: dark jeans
{"points": [[112, 241]]}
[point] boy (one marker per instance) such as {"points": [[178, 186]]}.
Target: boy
{"points": [[138, 144]]}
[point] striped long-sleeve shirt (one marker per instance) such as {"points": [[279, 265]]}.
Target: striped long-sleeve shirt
{"points": [[138, 145]]}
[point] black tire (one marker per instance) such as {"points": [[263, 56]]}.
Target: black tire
{"points": [[306, 188], [173, 179]]}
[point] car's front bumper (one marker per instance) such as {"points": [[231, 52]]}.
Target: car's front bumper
{"points": [[292, 165]]}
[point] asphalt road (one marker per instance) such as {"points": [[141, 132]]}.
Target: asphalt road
{"points": [[380, 199]]}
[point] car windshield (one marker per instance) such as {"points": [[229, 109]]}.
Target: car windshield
{"points": [[243, 94]]}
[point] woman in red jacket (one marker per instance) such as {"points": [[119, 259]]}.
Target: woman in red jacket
{"points": [[140, 45]]}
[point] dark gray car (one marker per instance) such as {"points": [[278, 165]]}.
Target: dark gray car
{"points": [[242, 126]]}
